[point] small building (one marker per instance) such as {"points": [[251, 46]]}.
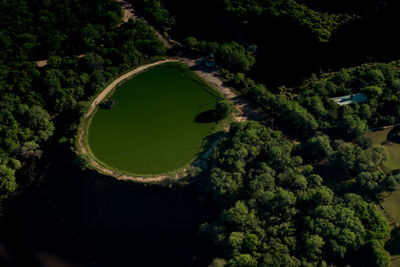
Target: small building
{"points": [[350, 99], [210, 61]]}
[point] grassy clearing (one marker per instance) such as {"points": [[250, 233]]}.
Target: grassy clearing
{"points": [[380, 138], [151, 129], [390, 203]]}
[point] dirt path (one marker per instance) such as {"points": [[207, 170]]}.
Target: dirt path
{"points": [[211, 76], [93, 105], [243, 108], [109, 88], [127, 13]]}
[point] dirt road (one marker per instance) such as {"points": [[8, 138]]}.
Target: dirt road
{"points": [[195, 65]]}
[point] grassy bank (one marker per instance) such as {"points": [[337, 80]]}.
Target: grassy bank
{"points": [[390, 204], [144, 116]]}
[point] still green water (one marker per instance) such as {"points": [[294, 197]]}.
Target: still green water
{"points": [[151, 129]]}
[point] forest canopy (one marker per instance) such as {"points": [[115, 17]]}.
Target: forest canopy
{"points": [[322, 24], [274, 210], [39, 103]]}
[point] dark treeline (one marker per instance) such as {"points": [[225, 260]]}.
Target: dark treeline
{"points": [[229, 55], [299, 193], [155, 13], [361, 7], [309, 109], [274, 210], [268, 188], [37, 29], [322, 24], [37, 102]]}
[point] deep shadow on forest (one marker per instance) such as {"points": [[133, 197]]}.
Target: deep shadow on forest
{"points": [[297, 188]]}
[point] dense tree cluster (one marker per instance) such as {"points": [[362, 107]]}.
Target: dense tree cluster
{"points": [[229, 55], [154, 13], [380, 82], [309, 109], [321, 125], [36, 29], [321, 23], [302, 201], [37, 102], [275, 211], [254, 168]]}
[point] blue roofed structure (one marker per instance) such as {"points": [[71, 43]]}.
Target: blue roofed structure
{"points": [[350, 99], [210, 61]]}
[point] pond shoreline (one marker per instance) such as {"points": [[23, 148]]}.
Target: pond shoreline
{"points": [[211, 80]]}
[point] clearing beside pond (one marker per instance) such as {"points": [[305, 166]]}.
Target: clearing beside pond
{"points": [[380, 138], [390, 204]]}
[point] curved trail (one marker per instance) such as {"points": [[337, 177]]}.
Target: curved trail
{"points": [[93, 105], [108, 89], [244, 109], [112, 85], [209, 77]]}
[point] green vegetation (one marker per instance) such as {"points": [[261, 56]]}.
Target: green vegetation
{"points": [[331, 138], [273, 210], [300, 191], [43, 106], [309, 110], [229, 55], [390, 203], [393, 149], [391, 207], [321, 24], [154, 13], [38, 29], [152, 129]]}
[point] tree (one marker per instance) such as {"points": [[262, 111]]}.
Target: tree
{"points": [[223, 108], [81, 161], [315, 106], [242, 260], [30, 150], [236, 56], [92, 62], [318, 147], [379, 154], [217, 262], [239, 216], [372, 91], [278, 213], [39, 120], [313, 245], [191, 42], [340, 227], [225, 186], [235, 242], [371, 181], [298, 117], [391, 183], [7, 181], [380, 256], [351, 127]]}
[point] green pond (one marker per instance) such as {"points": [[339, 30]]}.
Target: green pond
{"points": [[151, 128]]}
